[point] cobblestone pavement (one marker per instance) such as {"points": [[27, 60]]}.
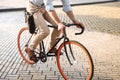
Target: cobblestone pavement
{"points": [[101, 37]]}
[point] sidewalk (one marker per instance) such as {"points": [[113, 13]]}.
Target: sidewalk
{"points": [[101, 37]]}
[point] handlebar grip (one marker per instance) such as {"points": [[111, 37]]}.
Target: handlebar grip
{"points": [[82, 28]]}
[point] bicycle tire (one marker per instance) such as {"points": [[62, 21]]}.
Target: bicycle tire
{"points": [[21, 44], [80, 71]]}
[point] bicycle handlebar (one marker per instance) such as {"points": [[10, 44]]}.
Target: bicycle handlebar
{"points": [[68, 25], [82, 28]]}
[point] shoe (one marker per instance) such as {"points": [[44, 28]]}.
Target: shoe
{"points": [[31, 55], [54, 51]]}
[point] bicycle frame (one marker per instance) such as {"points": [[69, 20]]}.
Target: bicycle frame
{"points": [[48, 54]]}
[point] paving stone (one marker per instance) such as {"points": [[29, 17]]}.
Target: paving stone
{"points": [[26, 77], [12, 77], [38, 77], [51, 78]]}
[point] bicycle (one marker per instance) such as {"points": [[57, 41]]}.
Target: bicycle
{"points": [[71, 55]]}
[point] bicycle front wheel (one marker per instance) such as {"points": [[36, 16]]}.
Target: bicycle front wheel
{"points": [[23, 37], [78, 65]]}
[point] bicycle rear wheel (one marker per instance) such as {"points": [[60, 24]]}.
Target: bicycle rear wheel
{"points": [[23, 38], [82, 68]]}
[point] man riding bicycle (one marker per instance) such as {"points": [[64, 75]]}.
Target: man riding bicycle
{"points": [[37, 9]]}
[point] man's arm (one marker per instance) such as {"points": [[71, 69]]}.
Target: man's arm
{"points": [[67, 8], [71, 15], [74, 20], [50, 8], [54, 16]]}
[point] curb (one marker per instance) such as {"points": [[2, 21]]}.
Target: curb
{"points": [[23, 8]]}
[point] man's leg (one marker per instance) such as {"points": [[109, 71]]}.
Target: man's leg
{"points": [[55, 32], [43, 30]]}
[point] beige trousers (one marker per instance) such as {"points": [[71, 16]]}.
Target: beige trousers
{"points": [[40, 15]]}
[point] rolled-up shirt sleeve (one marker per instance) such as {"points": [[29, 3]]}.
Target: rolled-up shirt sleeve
{"points": [[48, 5], [66, 5]]}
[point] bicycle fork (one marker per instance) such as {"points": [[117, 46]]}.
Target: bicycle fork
{"points": [[66, 52]]}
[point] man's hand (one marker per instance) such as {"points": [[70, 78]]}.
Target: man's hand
{"points": [[61, 27], [79, 23], [42, 10]]}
